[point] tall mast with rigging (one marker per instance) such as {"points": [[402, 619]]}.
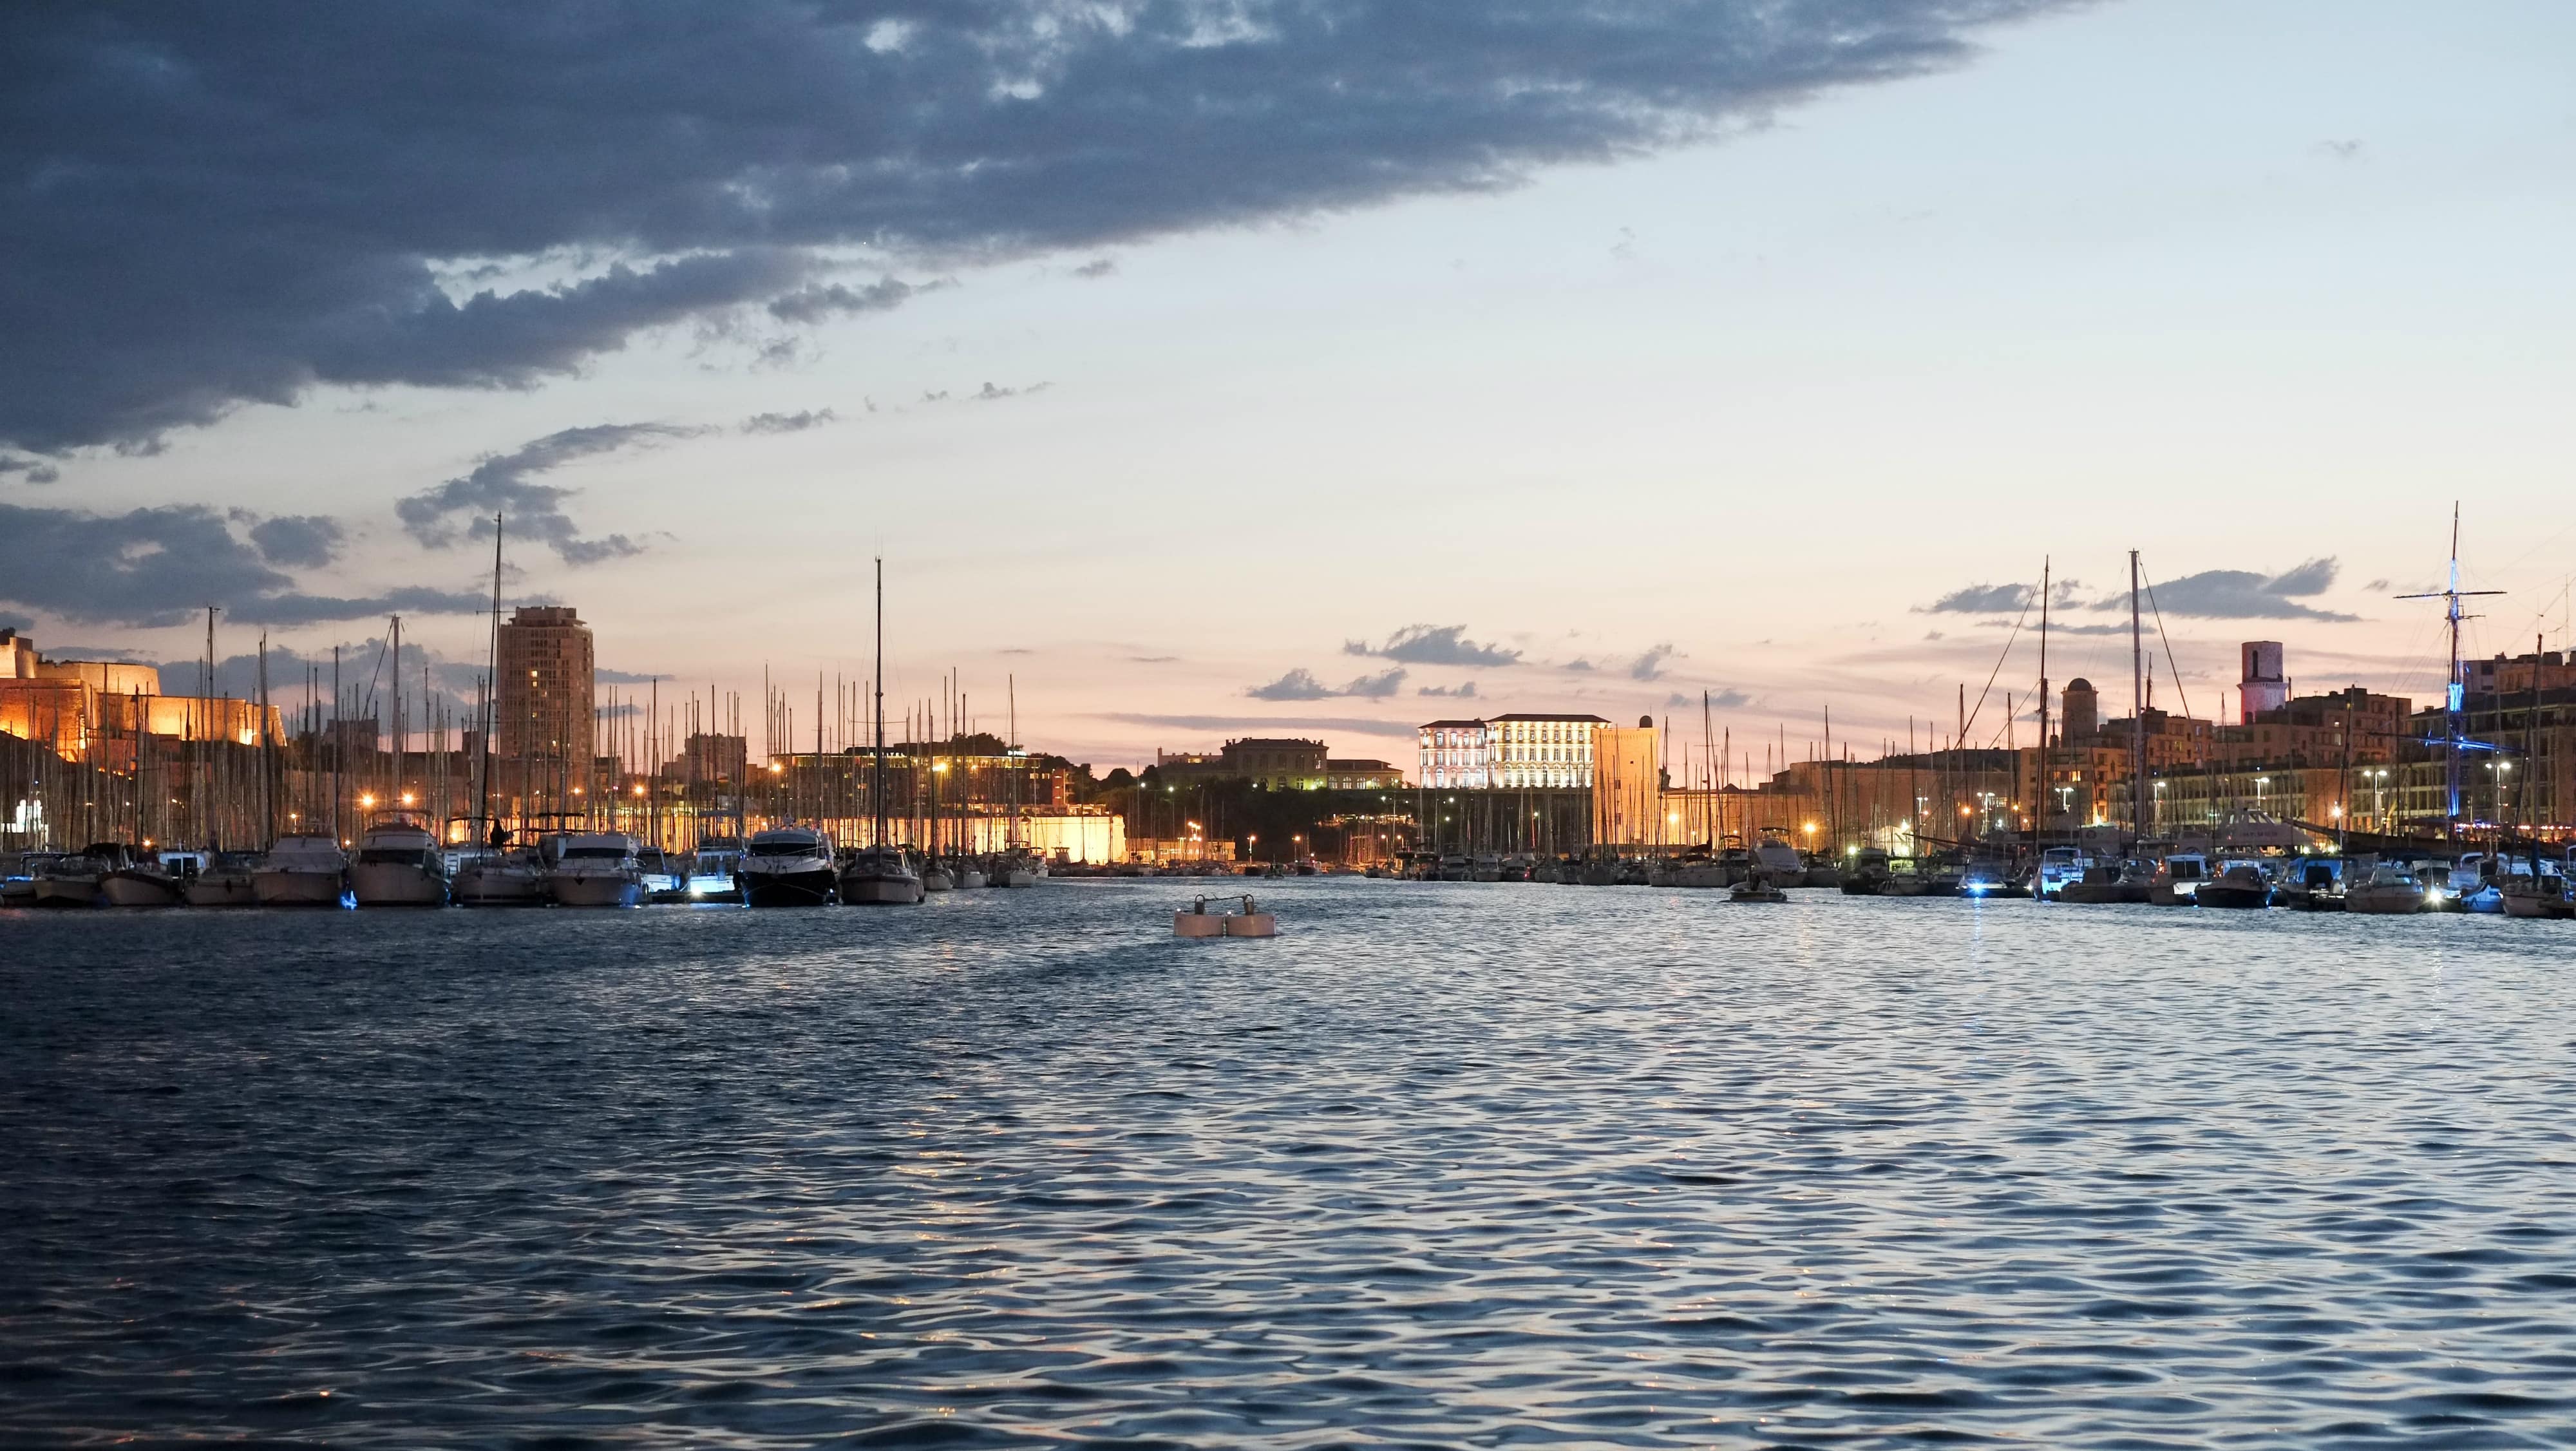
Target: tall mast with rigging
{"points": [[2455, 692]]}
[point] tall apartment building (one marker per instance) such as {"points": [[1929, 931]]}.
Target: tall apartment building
{"points": [[548, 694]]}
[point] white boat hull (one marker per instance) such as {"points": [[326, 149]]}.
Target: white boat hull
{"points": [[67, 892], [602, 889], [142, 889], [292, 887], [936, 880], [1019, 877], [969, 880], [499, 889], [396, 884], [222, 889], [875, 891]]}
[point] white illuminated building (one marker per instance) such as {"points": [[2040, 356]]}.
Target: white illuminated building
{"points": [[1521, 751], [1454, 756]]}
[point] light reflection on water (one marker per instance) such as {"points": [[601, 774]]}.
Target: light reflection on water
{"points": [[1446, 1164]]}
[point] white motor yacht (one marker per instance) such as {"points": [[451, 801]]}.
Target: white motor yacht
{"points": [[225, 883], [711, 870], [880, 877], [2059, 866], [500, 879], [593, 869], [2389, 889], [1776, 859], [2178, 878], [399, 864], [791, 866], [663, 877], [301, 871]]}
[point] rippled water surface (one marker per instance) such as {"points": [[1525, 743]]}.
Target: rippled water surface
{"points": [[1445, 1164]]}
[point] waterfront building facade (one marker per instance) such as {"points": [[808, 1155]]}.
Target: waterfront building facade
{"points": [[1542, 751], [1356, 775], [1456, 755]]}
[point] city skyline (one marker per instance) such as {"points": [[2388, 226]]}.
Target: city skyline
{"points": [[1783, 409]]}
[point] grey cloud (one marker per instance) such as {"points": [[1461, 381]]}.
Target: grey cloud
{"points": [[502, 483], [1460, 692], [1298, 684], [201, 210], [1579, 665], [2349, 150], [991, 394], [1301, 684], [1650, 665], [1981, 599], [2237, 594], [624, 677], [1097, 267], [36, 471], [1434, 645], [162, 566], [789, 422], [298, 541], [1720, 700], [825, 301], [1154, 659]]}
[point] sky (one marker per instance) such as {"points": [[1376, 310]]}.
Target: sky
{"points": [[1222, 369]]}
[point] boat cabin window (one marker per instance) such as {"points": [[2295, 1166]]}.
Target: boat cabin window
{"points": [[594, 853]]}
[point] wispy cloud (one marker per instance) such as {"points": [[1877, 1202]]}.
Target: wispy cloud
{"points": [[789, 422], [1650, 665], [1466, 691], [34, 471], [505, 484], [1097, 267]]}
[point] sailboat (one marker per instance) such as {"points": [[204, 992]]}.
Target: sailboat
{"points": [[878, 875]]}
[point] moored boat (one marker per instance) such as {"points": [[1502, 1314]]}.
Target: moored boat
{"points": [[301, 871], [398, 864], [500, 879], [2240, 885], [2389, 889], [593, 869], [880, 876], [789, 866], [226, 882], [152, 880]]}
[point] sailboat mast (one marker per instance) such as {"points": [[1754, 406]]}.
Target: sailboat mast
{"points": [[2039, 808], [876, 785], [2137, 713], [489, 715]]}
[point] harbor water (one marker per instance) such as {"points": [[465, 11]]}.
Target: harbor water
{"points": [[1440, 1165]]}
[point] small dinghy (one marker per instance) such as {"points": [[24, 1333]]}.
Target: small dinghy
{"points": [[1756, 888], [1198, 921]]}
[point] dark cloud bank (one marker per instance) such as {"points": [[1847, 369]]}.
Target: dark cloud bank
{"points": [[208, 205], [163, 566]]}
